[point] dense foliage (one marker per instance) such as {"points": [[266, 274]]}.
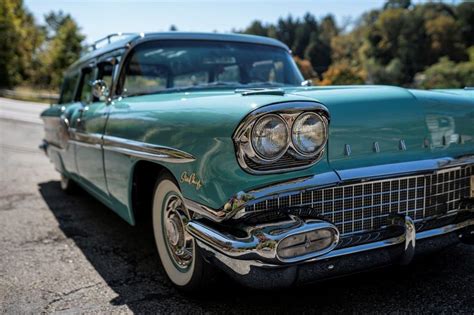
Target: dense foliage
{"points": [[428, 45], [425, 45], [36, 54]]}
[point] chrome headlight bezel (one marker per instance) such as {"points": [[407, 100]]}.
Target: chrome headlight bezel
{"points": [[291, 159]]}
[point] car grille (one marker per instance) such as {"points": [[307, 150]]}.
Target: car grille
{"points": [[286, 161], [366, 206]]}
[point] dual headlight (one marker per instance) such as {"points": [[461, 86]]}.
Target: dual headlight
{"points": [[272, 135]]}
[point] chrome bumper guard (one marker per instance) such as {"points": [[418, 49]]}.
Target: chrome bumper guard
{"points": [[253, 262], [262, 241]]}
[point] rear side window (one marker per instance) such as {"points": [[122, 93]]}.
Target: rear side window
{"points": [[68, 89]]}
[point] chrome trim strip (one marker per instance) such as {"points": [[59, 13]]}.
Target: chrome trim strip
{"points": [[130, 147], [146, 150], [86, 144], [235, 207]]}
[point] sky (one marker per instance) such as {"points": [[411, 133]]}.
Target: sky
{"points": [[99, 18]]}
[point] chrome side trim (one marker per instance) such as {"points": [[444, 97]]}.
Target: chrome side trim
{"points": [[130, 147], [88, 140], [289, 111], [146, 150]]}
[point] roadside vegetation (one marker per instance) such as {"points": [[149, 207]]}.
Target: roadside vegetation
{"points": [[428, 45]]}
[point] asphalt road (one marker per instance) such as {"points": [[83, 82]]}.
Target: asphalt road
{"points": [[69, 253]]}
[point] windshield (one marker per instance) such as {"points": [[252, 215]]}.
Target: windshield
{"points": [[168, 66]]}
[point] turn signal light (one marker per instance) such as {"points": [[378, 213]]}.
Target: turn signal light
{"points": [[307, 243]]}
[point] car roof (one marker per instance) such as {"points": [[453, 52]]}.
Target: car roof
{"points": [[125, 40]]}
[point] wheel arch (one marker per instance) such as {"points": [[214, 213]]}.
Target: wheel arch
{"points": [[143, 182]]}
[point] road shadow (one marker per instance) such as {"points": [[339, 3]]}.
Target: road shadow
{"points": [[126, 258]]}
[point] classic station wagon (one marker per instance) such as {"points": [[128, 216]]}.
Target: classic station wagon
{"points": [[241, 165]]}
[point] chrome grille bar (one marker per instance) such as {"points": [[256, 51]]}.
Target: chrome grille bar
{"points": [[366, 206]]}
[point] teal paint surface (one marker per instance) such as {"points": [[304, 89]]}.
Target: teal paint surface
{"points": [[202, 124]]}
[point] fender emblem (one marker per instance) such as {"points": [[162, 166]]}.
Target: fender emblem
{"points": [[191, 179]]}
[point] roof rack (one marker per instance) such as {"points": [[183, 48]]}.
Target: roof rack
{"points": [[108, 38]]}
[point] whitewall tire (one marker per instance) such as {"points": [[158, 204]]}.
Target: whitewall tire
{"points": [[178, 252]]}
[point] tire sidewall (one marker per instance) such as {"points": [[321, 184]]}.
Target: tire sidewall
{"points": [[180, 277]]}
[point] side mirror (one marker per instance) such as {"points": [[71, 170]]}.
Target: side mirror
{"points": [[307, 83], [100, 90]]}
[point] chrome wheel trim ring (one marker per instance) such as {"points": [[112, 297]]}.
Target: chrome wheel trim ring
{"points": [[179, 243]]}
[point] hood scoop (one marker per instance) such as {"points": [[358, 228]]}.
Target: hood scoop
{"points": [[260, 91]]}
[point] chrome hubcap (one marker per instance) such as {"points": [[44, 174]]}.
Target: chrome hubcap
{"points": [[178, 241]]}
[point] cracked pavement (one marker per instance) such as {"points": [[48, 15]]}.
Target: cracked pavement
{"points": [[70, 254]]}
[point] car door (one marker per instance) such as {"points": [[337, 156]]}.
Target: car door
{"points": [[89, 125]]}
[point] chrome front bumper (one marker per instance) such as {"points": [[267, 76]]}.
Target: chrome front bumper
{"points": [[252, 251], [251, 260]]}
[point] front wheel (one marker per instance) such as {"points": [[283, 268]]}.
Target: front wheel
{"points": [[178, 252]]}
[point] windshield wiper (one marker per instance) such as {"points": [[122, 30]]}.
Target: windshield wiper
{"points": [[264, 84]]}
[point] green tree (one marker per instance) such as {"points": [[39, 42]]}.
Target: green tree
{"points": [[448, 74], [341, 74], [20, 39], [397, 4], [465, 13], [318, 51], [256, 28], [63, 48]]}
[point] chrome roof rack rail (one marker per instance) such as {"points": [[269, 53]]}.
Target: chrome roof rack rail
{"points": [[108, 38]]}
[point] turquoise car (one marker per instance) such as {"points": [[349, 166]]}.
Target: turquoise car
{"points": [[241, 165]]}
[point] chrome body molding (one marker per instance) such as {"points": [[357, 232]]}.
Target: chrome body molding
{"points": [[138, 149], [235, 207], [250, 161], [146, 151], [261, 241], [89, 140]]}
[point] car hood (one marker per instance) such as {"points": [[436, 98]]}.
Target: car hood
{"points": [[372, 125]]}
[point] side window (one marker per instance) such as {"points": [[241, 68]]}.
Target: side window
{"points": [[68, 89], [88, 76]]}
